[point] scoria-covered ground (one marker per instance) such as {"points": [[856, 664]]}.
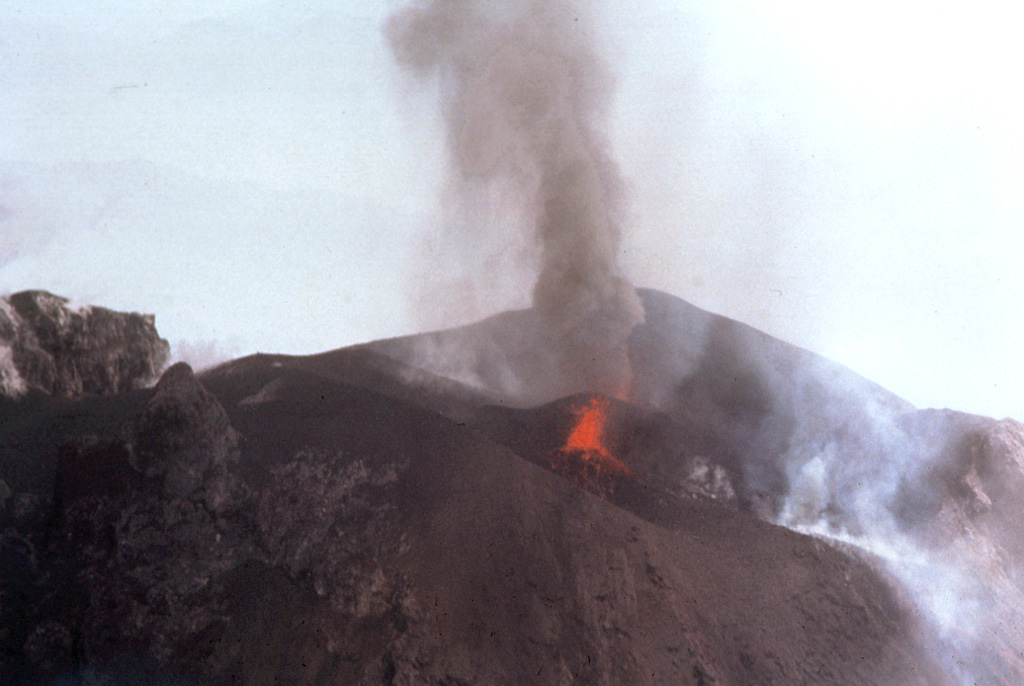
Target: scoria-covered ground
{"points": [[408, 512]]}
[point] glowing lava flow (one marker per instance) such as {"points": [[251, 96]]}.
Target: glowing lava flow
{"points": [[586, 442]]}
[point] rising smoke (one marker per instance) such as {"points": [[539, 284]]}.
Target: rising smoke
{"points": [[524, 97]]}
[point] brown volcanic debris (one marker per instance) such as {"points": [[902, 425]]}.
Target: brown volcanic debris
{"points": [[321, 520], [370, 540]]}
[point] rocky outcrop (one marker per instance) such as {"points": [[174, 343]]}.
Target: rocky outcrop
{"points": [[49, 344], [130, 550], [184, 440]]}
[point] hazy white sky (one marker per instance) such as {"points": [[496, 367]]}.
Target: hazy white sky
{"points": [[261, 177]]}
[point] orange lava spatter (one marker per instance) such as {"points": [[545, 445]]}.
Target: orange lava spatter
{"points": [[588, 434], [587, 438]]}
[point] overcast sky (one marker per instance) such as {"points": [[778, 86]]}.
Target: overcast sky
{"points": [[260, 176]]}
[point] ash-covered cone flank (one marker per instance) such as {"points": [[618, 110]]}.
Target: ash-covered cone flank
{"points": [[525, 96], [404, 512]]}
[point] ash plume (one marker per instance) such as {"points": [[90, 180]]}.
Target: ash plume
{"points": [[525, 95]]}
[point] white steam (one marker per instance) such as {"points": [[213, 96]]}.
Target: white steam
{"points": [[918, 495]]}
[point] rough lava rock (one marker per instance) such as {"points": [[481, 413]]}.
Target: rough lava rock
{"points": [[109, 578], [51, 345], [184, 439]]}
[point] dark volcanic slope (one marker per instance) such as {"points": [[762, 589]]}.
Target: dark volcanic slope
{"points": [[331, 534], [940, 493], [358, 366], [402, 513], [34, 430], [560, 587]]}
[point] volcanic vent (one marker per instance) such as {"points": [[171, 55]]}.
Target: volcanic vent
{"points": [[586, 457]]}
